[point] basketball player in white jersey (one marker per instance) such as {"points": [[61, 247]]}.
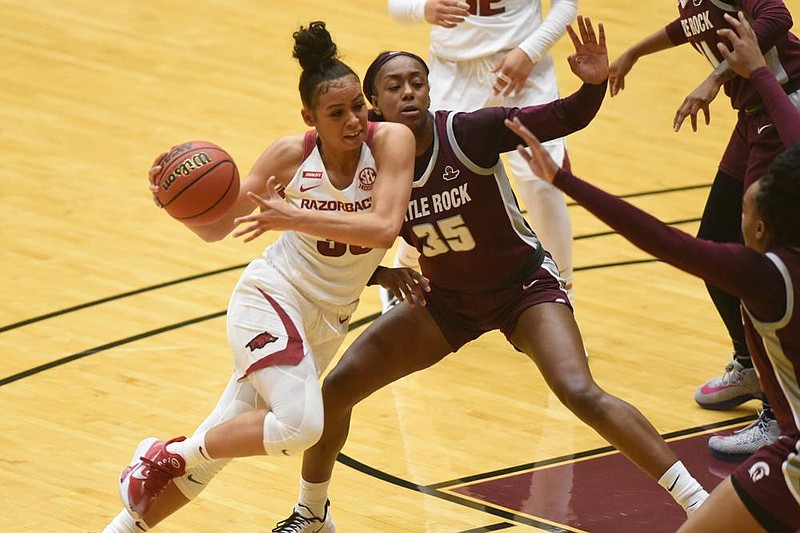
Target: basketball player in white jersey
{"points": [[344, 187], [496, 53]]}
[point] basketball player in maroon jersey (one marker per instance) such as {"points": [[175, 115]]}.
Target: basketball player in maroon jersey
{"points": [[487, 271], [763, 493], [752, 147]]}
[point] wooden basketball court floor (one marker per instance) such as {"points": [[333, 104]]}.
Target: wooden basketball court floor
{"points": [[112, 323]]}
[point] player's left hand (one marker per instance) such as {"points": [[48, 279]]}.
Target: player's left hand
{"points": [[512, 73], [538, 158], [406, 284], [590, 60], [698, 100], [274, 213]]}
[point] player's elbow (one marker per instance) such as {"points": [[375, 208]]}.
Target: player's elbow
{"points": [[386, 235]]}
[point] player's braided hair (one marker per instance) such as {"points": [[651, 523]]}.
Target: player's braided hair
{"points": [[318, 56], [778, 199]]}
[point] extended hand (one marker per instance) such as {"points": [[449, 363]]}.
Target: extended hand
{"points": [[406, 284], [698, 100], [746, 55], [538, 159], [274, 213], [590, 60], [154, 171]]}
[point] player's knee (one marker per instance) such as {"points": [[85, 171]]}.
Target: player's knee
{"points": [[582, 397], [292, 440]]}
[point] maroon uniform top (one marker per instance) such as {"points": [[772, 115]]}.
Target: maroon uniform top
{"points": [[699, 21], [787, 120], [768, 286], [463, 217]]}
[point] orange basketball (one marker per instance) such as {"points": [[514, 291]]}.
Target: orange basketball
{"points": [[198, 183]]}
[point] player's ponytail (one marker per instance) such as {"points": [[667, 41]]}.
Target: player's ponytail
{"points": [[318, 56]]}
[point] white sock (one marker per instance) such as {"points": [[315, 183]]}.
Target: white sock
{"points": [[683, 487], [314, 496], [193, 450], [124, 523]]}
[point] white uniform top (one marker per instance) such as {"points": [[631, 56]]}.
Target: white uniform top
{"points": [[323, 270], [493, 26]]}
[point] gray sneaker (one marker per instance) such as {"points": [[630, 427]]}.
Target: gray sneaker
{"points": [[302, 520], [746, 441], [736, 386]]}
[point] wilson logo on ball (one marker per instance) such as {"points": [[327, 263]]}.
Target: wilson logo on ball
{"points": [[191, 164]]}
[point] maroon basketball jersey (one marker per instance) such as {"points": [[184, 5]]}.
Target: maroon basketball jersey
{"points": [[775, 346], [465, 220], [698, 24]]}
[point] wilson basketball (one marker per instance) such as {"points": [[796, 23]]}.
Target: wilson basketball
{"points": [[198, 183]]}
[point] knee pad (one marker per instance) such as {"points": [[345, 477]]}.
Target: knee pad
{"points": [[294, 428]]}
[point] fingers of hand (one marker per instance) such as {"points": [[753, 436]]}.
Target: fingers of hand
{"points": [[576, 42]]}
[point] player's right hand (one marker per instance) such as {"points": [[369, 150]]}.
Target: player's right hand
{"points": [[617, 71], [745, 55], [406, 284], [446, 13], [155, 170]]}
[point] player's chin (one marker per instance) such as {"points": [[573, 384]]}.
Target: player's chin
{"points": [[355, 139]]}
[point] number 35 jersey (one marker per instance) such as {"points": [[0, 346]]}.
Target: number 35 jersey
{"points": [[331, 272], [465, 221]]}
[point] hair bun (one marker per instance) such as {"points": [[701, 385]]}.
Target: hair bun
{"points": [[314, 47]]}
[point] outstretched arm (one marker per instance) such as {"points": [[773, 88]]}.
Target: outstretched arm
{"points": [[732, 267], [621, 66], [482, 134]]}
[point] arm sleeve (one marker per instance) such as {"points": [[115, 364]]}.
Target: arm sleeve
{"points": [[770, 19], [732, 267], [407, 11], [483, 136], [538, 43], [675, 33], [780, 109]]}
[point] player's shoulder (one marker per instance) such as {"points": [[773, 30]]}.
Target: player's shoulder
{"points": [[281, 158], [389, 135]]}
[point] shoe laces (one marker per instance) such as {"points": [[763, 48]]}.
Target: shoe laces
{"points": [[157, 476], [731, 374], [759, 426], [295, 522]]}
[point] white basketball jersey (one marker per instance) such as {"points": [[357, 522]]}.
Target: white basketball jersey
{"points": [[328, 271], [491, 27]]}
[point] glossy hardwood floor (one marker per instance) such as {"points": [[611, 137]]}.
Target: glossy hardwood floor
{"points": [[112, 326]]}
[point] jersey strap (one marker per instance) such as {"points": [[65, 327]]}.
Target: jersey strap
{"points": [[309, 143]]}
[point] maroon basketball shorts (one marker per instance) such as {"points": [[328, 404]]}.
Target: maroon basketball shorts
{"points": [[768, 483], [465, 316]]}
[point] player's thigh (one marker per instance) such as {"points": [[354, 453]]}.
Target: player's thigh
{"points": [[722, 512], [549, 335], [404, 340]]}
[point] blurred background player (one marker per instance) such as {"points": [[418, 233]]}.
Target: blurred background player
{"points": [[485, 54], [290, 310], [753, 145]]}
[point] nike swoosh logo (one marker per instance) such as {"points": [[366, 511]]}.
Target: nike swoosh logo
{"points": [[762, 128], [285, 452], [343, 320], [303, 188], [526, 286], [191, 478], [138, 472], [674, 483]]}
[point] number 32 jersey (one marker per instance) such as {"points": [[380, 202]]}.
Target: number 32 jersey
{"points": [[331, 272], [465, 221]]}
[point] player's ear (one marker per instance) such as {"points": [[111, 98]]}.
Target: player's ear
{"points": [[308, 117], [375, 108]]}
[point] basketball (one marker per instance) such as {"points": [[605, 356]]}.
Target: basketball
{"points": [[198, 183]]}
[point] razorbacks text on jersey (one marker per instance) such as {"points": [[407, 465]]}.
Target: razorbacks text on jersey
{"points": [[331, 272]]}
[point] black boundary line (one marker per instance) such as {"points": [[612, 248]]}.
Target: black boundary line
{"points": [[118, 297], [228, 269], [58, 362]]}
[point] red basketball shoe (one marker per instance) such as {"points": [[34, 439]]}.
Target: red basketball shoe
{"points": [[151, 469]]}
